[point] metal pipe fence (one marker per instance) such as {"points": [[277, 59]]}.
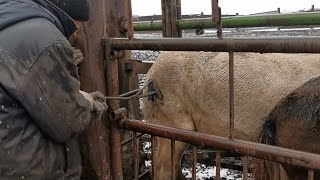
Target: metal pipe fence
{"points": [[273, 153], [247, 149]]}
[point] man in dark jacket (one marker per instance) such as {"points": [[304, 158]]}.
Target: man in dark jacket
{"points": [[41, 108]]}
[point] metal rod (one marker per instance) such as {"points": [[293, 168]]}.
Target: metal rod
{"points": [[245, 163], [218, 160], [112, 75], [231, 93], [173, 159], [136, 155], [153, 154], [273, 153], [310, 174], [163, 22], [131, 139], [129, 93], [219, 25], [173, 18], [261, 45], [179, 17], [133, 94], [194, 158], [128, 7], [168, 19]]}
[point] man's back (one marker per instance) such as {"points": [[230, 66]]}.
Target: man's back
{"points": [[41, 109]]}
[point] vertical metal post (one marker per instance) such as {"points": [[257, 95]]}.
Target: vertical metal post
{"points": [[218, 160], [194, 167], [173, 159], [153, 163], [129, 18], [164, 19], [168, 18], [173, 17], [310, 174], [179, 17], [115, 14], [231, 93], [219, 25], [216, 16], [245, 163], [113, 90], [136, 155]]}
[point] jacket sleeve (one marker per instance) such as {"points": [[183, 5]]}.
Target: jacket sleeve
{"points": [[50, 94]]}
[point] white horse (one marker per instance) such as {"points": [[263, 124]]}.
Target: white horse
{"points": [[194, 86]]}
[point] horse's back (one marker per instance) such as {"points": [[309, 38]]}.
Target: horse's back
{"points": [[195, 84]]}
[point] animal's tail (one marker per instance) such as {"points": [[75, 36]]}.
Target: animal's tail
{"points": [[263, 169]]}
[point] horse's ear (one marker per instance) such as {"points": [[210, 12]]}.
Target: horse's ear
{"points": [[268, 133]]}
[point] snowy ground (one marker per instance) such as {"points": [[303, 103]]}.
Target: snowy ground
{"points": [[207, 172]]}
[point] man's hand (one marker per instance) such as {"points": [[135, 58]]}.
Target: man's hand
{"points": [[98, 102], [78, 56]]}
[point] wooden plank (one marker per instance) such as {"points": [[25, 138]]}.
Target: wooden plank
{"points": [[95, 143]]}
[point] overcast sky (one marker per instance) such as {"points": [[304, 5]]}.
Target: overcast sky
{"points": [[150, 7]]}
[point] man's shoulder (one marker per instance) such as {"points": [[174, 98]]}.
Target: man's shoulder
{"points": [[28, 39]]}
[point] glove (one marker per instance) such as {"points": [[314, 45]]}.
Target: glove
{"points": [[89, 98], [97, 101], [77, 56], [99, 104]]}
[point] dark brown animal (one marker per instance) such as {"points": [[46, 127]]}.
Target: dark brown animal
{"points": [[295, 123]]}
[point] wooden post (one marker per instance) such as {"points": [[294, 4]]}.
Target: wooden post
{"points": [[171, 11], [95, 142], [100, 144]]}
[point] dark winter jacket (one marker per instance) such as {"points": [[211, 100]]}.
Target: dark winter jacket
{"points": [[41, 109]]}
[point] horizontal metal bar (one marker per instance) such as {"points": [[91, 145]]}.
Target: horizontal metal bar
{"points": [[273, 153], [292, 19], [260, 45]]}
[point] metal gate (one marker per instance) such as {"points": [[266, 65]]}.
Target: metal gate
{"points": [[114, 47]]}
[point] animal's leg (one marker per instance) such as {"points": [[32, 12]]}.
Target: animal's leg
{"points": [[163, 163], [162, 159]]}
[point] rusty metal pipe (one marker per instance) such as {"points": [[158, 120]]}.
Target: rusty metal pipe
{"points": [[153, 155], [173, 159], [136, 155], [231, 94], [245, 163], [194, 158], [261, 45], [218, 160], [273, 153]]}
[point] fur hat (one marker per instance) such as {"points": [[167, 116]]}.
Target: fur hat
{"points": [[76, 9]]}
